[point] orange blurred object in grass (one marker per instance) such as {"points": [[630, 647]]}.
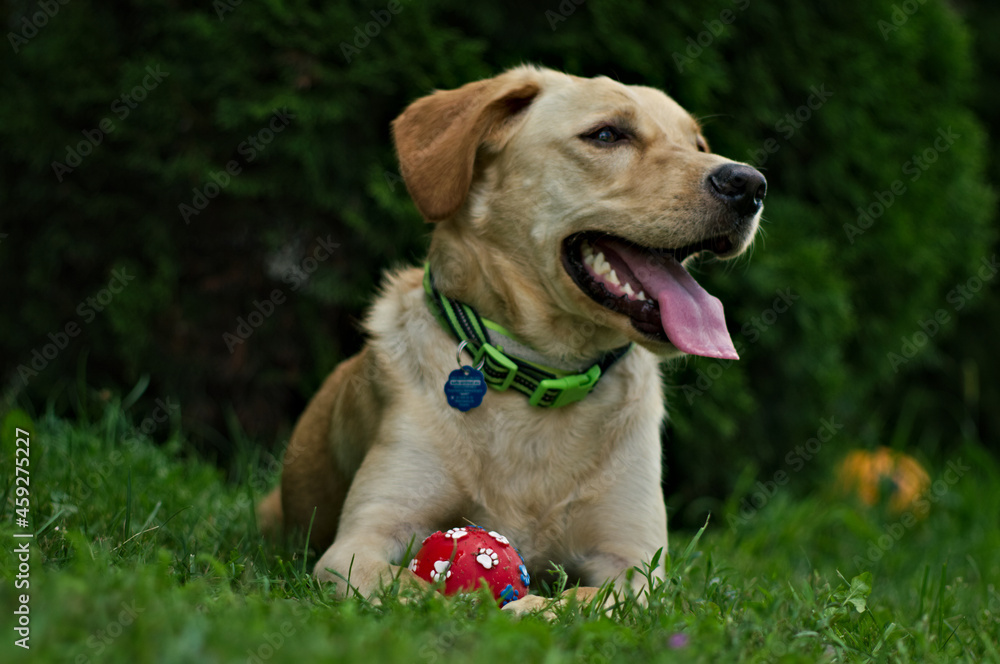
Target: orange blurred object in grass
{"points": [[883, 476]]}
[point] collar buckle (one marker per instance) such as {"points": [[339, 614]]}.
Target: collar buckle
{"points": [[568, 389]]}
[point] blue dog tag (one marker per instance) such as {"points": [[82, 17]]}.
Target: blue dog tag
{"points": [[465, 388]]}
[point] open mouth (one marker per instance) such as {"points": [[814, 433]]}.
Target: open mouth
{"points": [[652, 288]]}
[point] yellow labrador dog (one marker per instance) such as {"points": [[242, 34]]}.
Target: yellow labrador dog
{"points": [[564, 209]]}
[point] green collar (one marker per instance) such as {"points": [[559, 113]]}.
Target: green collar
{"points": [[544, 385]]}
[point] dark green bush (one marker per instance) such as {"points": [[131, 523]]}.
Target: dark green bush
{"points": [[217, 77]]}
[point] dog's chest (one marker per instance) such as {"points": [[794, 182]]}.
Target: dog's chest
{"points": [[524, 471]]}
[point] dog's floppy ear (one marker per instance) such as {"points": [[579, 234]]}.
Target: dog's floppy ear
{"points": [[437, 136]]}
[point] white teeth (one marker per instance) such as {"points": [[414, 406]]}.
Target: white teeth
{"points": [[601, 266]]}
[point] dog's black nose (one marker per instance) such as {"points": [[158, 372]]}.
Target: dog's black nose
{"points": [[739, 186]]}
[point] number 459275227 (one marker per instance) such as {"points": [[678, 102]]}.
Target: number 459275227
{"points": [[22, 478]]}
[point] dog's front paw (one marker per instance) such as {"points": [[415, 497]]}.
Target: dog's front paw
{"points": [[532, 604], [546, 607], [365, 578]]}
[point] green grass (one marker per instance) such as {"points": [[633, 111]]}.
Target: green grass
{"points": [[146, 554]]}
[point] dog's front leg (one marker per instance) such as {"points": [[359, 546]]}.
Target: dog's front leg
{"points": [[399, 492]]}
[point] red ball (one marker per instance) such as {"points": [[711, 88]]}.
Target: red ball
{"points": [[458, 559]]}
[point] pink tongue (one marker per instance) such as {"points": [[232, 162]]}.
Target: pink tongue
{"points": [[692, 318]]}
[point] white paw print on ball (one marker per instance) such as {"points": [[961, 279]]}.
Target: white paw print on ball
{"points": [[413, 566], [441, 570], [456, 533], [487, 558], [498, 537]]}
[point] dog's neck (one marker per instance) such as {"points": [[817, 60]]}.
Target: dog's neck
{"points": [[489, 284], [508, 363]]}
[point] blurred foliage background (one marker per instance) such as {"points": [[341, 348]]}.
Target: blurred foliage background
{"points": [[119, 121]]}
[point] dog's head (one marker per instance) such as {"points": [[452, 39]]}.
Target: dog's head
{"points": [[568, 205]]}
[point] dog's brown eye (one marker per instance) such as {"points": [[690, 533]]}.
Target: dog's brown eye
{"points": [[607, 135], [702, 144]]}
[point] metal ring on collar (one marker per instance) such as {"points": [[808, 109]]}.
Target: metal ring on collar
{"points": [[458, 355]]}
